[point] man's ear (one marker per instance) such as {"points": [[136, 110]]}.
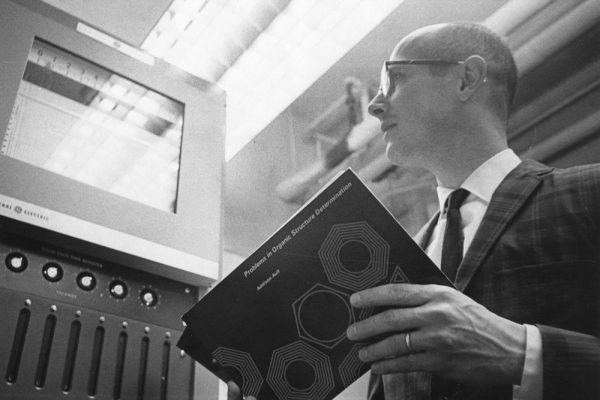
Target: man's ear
{"points": [[474, 74]]}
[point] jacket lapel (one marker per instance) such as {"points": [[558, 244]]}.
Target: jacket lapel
{"points": [[508, 198]]}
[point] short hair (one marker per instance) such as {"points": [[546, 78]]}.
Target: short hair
{"points": [[458, 41]]}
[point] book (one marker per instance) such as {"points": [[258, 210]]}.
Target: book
{"points": [[276, 325]]}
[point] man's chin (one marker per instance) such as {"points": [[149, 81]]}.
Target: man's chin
{"points": [[396, 157]]}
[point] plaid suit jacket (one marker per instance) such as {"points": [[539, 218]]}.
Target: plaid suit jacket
{"points": [[535, 259]]}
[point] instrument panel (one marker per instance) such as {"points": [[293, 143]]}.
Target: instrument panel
{"points": [[78, 326]]}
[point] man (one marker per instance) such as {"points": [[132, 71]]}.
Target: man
{"points": [[524, 321]]}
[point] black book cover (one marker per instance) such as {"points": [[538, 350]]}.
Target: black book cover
{"points": [[277, 324]]}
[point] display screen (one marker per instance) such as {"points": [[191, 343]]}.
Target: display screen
{"points": [[77, 119]]}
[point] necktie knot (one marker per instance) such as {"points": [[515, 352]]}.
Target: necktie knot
{"points": [[456, 199]]}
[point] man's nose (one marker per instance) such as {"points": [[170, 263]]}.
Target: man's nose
{"points": [[377, 106]]}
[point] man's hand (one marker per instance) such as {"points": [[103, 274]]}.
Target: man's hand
{"points": [[234, 392], [450, 335]]}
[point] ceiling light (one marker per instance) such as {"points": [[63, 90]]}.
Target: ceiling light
{"points": [[264, 53]]}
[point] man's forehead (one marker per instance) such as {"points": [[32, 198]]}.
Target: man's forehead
{"points": [[417, 44], [404, 51]]}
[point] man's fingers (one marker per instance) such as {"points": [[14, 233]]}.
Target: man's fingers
{"points": [[398, 295], [390, 347], [411, 307], [233, 391], [394, 320]]}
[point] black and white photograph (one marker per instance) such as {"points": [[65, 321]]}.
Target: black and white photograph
{"points": [[300, 199]]}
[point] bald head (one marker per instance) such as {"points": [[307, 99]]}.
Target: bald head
{"points": [[458, 41]]}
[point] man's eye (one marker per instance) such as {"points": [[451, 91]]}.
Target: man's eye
{"points": [[396, 79]]}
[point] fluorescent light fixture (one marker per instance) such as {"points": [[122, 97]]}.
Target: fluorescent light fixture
{"points": [[107, 105], [136, 118], [264, 53], [117, 90]]}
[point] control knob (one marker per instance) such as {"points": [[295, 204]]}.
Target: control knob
{"points": [[118, 289], [86, 281], [16, 262], [52, 272], [148, 297]]}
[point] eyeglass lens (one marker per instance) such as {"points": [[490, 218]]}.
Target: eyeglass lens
{"points": [[384, 80]]}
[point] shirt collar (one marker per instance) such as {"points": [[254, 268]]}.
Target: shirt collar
{"points": [[484, 181]]}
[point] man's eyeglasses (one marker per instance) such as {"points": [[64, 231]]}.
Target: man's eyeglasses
{"points": [[386, 80]]}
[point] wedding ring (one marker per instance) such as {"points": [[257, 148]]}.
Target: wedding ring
{"points": [[408, 344]]}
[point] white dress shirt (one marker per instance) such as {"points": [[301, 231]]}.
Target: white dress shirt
{"points": [[482, 184]]}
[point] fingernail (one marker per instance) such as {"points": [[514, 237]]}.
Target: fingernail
{"points": [[363, 354], [355, 298], [351, 332]]}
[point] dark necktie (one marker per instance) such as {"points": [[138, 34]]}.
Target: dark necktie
{"points": [[452, 248]]}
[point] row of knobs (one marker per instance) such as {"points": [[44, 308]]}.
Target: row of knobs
{"points": [[53, 272]]}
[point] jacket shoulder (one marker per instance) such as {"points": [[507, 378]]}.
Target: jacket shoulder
{"points": [[588, 174]]}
